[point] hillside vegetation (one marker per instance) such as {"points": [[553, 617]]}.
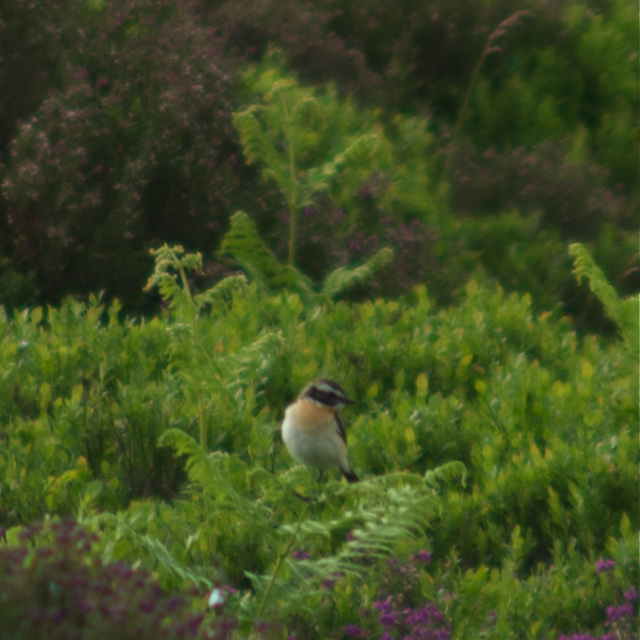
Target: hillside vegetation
{"points": [[206, 205]]}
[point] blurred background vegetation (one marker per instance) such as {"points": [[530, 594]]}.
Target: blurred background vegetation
{"points": [[508, 136], [426, 199]]}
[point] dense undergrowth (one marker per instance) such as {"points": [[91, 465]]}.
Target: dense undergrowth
{"points": [[487, 136], [498, 453], [433, 204]]}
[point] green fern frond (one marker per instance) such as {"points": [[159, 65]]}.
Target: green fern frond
{"points": [[258, 147], [623, 312], [212, 473], [222, 291], [343, 278], [448, 473], [171, 262], [244, 243], [321, 178], [204, 469], [384, 517], [251, 362], [171, 569]]}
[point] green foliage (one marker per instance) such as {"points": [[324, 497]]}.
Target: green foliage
{"points": [[582, 85], [533, 111], [219, 374], [293, 134], [260, 508], [244, 243], [544, 423], [342, 278], [623, 312], [76, 408], [55, 586], [111, 149]]}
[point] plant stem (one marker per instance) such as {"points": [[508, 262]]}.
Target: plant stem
{"points": [[292, 200], [190, 307], [280, 562], [489, 47], [463, 112]]}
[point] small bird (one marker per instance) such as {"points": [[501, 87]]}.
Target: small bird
{"points": [[313, 431]]}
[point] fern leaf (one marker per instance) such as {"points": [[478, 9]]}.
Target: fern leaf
{"points": [[448, 473], [223, 290], [160, 556], [384, 517], [321, 178], [258, 147], [169, 263], [210, 471], [244, 243], [251, 362], [623, 312], [343, 278]]}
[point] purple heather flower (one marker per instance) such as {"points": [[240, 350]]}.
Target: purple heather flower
{"points": [[81, 74], [353, 630], [631, 595], [388, 619], [615, 613], [193, 623], [300, 554], [328, 583], [604, 565], [422, 556], [148, 606], [382, 605], [426, 614]]}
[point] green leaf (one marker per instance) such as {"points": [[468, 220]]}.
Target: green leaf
{"points": [[244, 243], [623, 312], [343, 278]]}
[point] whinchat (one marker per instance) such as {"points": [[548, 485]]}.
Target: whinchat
{"points": [[313, 431]]}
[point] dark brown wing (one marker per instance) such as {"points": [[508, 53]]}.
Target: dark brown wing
{"points": [[340, 427]]}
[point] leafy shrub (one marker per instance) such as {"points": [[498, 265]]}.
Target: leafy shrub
{"points": [[126, 149], [316, 51], [622, 615], [400, 609], [544, 77], [572, 197], [580, 86], [78, 410], [54, 586], [351, 192], [544, 422], [30, 45]]}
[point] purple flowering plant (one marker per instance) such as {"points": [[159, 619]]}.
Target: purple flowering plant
{"points": [[400, 609], [133, 143], [621, 615], [54, 585]]}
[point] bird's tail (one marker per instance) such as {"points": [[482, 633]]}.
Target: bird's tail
{"points": [[350, 475]]}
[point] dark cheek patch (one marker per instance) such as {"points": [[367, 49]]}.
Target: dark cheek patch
{"points": [[326, 397]]}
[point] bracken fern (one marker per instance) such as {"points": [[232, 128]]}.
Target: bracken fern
{"points": [[623, 312]]}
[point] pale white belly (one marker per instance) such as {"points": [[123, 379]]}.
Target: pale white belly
{"points": [[320, 448]]}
